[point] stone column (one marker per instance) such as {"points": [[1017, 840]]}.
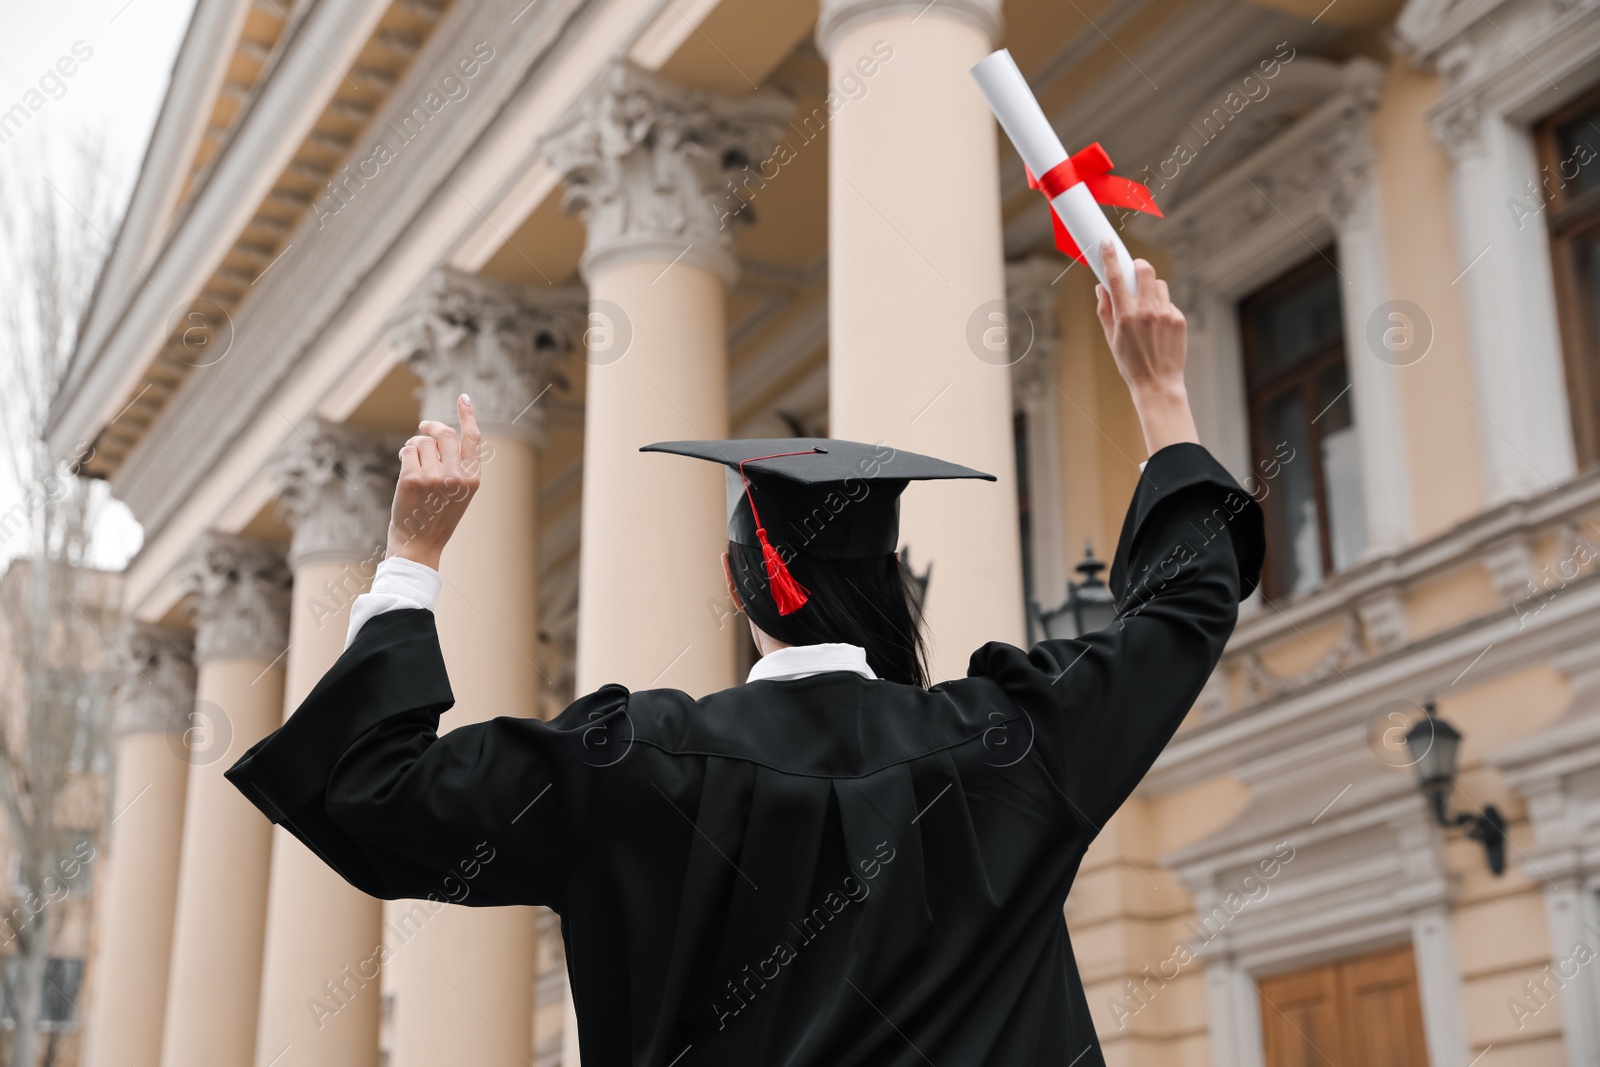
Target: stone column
{"points": [[130, 983], [241, 602], [465, 976], [1509, 293], [915, 274], [1352, 206], [643, 162], [319, 974]]}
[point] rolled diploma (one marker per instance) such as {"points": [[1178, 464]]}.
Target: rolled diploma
{"points": [[1022, 118]]}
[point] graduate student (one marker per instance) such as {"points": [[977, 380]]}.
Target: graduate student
{"points": [[833, 863]]}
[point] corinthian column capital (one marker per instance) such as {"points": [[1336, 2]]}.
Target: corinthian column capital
{"points": [[838, 16], [647, 166], [241, 598], [334, 486], [492, 340], [157, 684]]}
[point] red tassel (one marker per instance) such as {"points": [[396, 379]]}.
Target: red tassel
{"points": [[788, 594]]}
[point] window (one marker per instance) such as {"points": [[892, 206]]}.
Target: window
{"points": [[1364, 1010], [1302, 427], [1569, 154], [58, 1005]]}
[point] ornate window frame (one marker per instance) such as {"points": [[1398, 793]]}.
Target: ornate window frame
{"points": [[1311, 185], [1504, 66]]}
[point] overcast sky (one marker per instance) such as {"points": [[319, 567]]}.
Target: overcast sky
{"points": [[114, 94]]}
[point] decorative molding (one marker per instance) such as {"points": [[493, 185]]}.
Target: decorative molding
{"points": [[1314, 183], [1467, 41], [1495, 645], [241, 590], [1335, 854], [1557, 771], [335, 485], [1213, 698], [1458, 127], [1309, 169], [1298, 89], [1192, 49], [158, 684], [1383, 620], [839, 16], [646, 164], [495, 341], [1502, 67], [1261, 683], [1511, 567]]}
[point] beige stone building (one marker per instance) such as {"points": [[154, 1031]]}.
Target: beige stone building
{"points": [[55, 734], [619, 221]]}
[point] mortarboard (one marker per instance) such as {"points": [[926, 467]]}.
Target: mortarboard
{"points": [[816, 496]]}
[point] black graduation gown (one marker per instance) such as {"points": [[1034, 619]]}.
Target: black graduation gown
{"points": [[829, 871]]}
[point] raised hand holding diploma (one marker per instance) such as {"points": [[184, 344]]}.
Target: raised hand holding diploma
{"points": [[1149, 341], [1075, 185]]}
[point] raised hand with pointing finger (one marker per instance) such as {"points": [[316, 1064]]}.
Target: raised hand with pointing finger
{"points": [[439, 470]]}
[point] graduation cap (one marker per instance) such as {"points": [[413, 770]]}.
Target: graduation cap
{"points": [[816, 496]]}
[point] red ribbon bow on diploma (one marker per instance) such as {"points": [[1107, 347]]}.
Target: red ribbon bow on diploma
{"points": [[1092, 167]]}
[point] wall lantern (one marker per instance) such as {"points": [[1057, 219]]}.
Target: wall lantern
{"points": [[1089, 605], [1435, 748]]}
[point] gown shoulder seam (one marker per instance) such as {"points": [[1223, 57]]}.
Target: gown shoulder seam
{"points": [[746, 758]]}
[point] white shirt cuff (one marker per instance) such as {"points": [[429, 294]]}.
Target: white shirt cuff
{"points": [[399, 583]]}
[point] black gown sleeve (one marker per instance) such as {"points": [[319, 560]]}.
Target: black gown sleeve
{"points": [[1102, 707], [490, 813]]}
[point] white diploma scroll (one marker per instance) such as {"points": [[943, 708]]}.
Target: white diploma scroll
{"points": [[1022, 118]]}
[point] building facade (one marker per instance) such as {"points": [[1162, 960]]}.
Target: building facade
{"points": [[619, 221], [55, 743]]}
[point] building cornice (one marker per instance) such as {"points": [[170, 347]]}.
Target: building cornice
{"points": [[307, 330], [133, 337]]}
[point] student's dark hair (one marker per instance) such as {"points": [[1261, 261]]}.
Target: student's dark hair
{"points": [[872, 603]]}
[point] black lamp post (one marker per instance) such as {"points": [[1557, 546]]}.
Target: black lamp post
{"points": [[1435, 748], [1089, 606]]}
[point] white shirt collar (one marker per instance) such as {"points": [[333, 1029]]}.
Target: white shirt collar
{"points": [[802, 661]]}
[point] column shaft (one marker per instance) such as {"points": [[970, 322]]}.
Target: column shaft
{"points": [[466, 975], [222, 891], [320, 990], [319, 976], [912, 264], [240, 588], [643, 161], [130, 982], [131, 987], [654, 528]]}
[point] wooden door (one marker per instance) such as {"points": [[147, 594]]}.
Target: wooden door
{"points": [[1360, 1012]]}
